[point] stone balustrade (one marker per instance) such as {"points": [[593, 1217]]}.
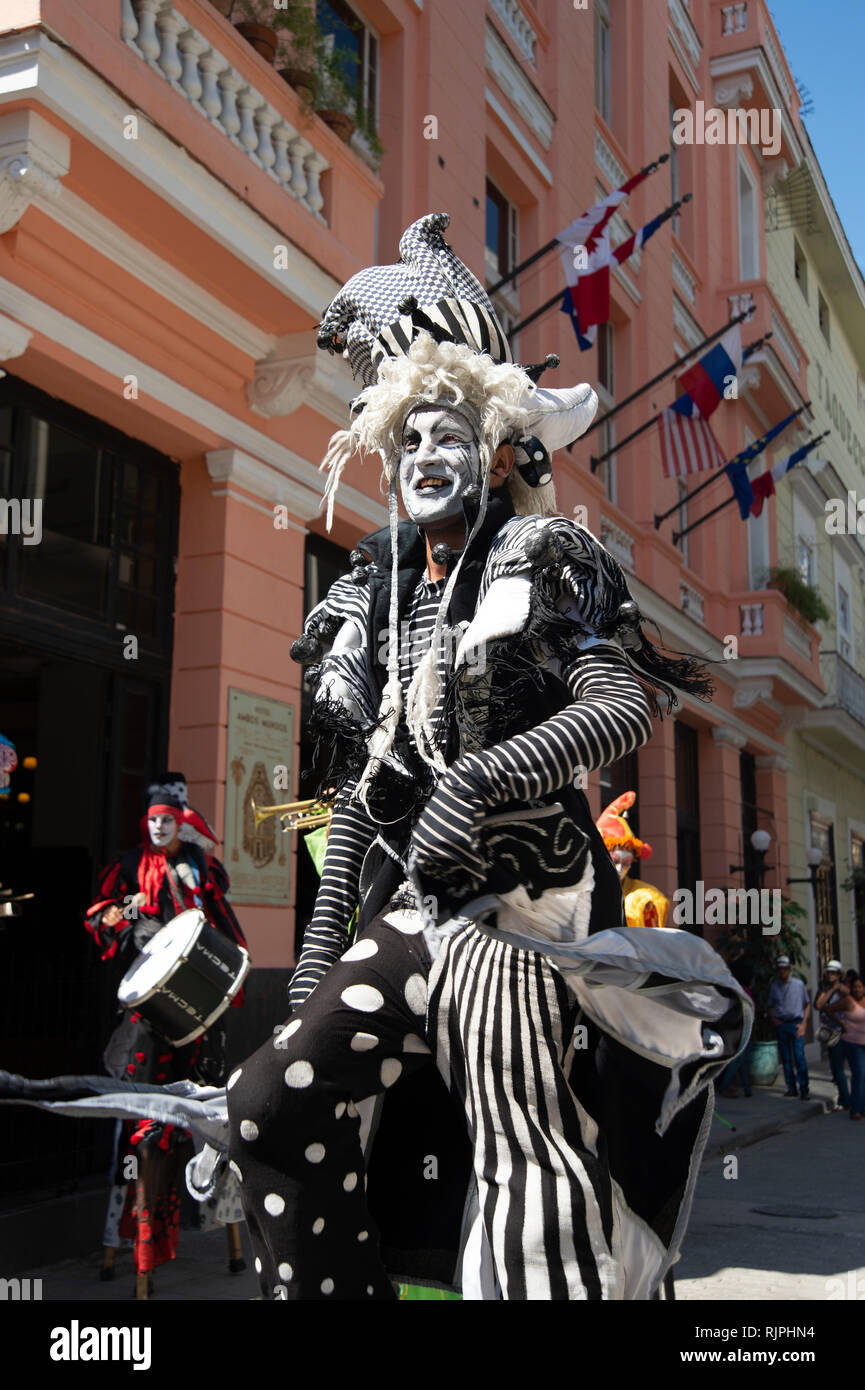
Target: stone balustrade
{"points": [[751, 621], [165, 40]]}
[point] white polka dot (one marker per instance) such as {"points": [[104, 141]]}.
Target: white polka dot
{"points": [[340, 1110], [235, 1076], [290, 1028], [363, 1235], [415, 993], [274, 1205], [315, 1153], [409, 923], [299, 1074], [285, 1271], [327, 1286], [363, 1042], [318, 1226], [248, 1130], [280, 1291], [391, 1070], [235, 1170], [257, 1265], [364, 997], [362, 950], [412, 1043], [349, 1182]]}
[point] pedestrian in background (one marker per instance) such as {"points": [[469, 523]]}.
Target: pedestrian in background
{"points": [[850, 1009], [830, 1032], [788, 1009]]}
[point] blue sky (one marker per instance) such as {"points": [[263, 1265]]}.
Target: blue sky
{"points": [[824, 41]]}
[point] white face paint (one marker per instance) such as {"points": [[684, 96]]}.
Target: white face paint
{"points": [[623, 859], [440, 459], [163, 830]]}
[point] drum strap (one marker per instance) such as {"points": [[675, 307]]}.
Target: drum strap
{"points": [[175, 885]]}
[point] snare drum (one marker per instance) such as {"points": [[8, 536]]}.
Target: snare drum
{"points": [[185, 977]]}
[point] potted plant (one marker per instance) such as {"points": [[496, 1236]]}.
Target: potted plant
{"points": [[262, 37], [303, 40], [745, 944], [800, 596]]}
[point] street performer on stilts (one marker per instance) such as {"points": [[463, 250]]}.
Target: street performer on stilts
{"points": [[492, 1019]]}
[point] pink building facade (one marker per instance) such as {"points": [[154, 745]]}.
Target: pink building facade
{"points": [[173, 221]]}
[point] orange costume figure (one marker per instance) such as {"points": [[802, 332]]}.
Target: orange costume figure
{"points": [[645, 905]]}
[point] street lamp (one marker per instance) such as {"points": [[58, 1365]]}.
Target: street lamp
{"points": [[813, 858], [760, 840]]}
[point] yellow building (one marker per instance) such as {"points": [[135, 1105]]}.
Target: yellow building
{"points": [[816, 527]]}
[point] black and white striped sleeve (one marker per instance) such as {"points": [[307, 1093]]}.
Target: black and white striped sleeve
{"points": [[326, 937], [608, 718]]}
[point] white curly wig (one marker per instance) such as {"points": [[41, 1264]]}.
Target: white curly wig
{"points": [[495, 397]]}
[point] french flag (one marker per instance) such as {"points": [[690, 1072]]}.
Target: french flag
{"points": [[704, 383]]}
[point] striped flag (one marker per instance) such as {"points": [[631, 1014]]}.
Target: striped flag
{"points": [[704, 383], [764, 486], [737, 468], [687, 444], [587, 297]]}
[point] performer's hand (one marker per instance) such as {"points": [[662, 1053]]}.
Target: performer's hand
{"points": [[446, 861], [111, 916]]}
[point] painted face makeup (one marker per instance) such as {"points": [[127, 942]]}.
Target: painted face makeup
{"points": [[440, 459], [162, 829], [623, 859]]}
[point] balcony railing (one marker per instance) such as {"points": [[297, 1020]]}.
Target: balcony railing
{"points": [[164, 39], [845, 688]]}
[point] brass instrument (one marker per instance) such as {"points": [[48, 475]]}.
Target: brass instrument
{"points": [[294, 815]]}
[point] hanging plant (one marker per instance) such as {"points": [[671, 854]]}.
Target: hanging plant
{"points": [[801, 597]]}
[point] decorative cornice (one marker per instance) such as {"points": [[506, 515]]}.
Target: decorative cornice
{"points": [[295, 374], [773, 762], [685, 325], [34, 156], [777, 65], [683, 279], [725, 736], [733, 65], [517, 26], [618, 542], [14, 338], [525, 98], [731, 91], [782, 337], [690, 601], [748, 692], [684, 27], [607, 163], [234, 466]]}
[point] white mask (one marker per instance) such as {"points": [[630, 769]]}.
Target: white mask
{"points": [[623, 859], [437, 443], [162, 830]]}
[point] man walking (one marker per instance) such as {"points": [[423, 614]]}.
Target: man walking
{"points": [[789, 1007]]}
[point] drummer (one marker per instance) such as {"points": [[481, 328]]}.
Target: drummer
{"points": [[172, 868]]}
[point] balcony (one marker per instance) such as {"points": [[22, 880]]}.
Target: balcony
{"points": [[770, 369], [839, 723]]}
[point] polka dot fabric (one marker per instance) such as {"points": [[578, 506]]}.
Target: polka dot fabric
{"points": [[295, 1127]]}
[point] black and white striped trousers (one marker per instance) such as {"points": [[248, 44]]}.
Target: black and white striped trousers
{"points": [[501, 1020]]}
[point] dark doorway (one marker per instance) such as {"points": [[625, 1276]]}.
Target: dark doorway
{"points": [[688, 809]]}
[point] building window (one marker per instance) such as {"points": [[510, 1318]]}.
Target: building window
{"points": [[687, 808], [602, 58], [675, 173], [825, 895], [823, 317], [356, 48], [800, 268], [805, 530], [749, 235], [502, 233]]}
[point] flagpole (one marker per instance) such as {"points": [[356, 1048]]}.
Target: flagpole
{"points": [[677, 535], [745, 314], [557, 298], [715, 474], [536, 255], [614, 449]]}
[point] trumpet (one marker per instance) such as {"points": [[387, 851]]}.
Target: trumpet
{"points": [[294, 815]]}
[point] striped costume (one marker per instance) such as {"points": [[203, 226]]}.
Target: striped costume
{"points": [[489, 1097]]}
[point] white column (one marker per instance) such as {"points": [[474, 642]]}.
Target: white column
{"points": [[191, 46], [247, 100], [315, 164], [229, 85], [299, 150], [128, 23], [282, 133], [210, 65], [265, 119], [148, 39], [169, 26]]}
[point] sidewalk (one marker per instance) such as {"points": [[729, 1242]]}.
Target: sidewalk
{"points": [[746, 1120]]}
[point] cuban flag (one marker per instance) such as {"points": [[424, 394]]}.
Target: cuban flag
{"points": [[705, 382], [587, 257]]}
